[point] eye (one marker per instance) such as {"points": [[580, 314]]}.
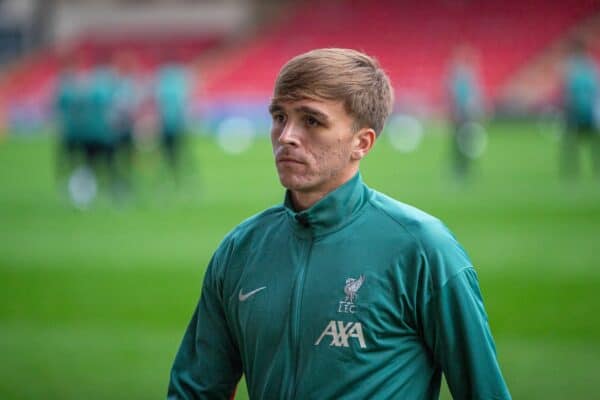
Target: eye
{"points": [[279, 118], [311, 121]]}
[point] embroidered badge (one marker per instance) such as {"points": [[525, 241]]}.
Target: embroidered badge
{"points": [[352, 286]]}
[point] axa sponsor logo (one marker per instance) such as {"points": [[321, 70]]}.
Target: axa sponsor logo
{"points": [[339, 334], [351, 287]]}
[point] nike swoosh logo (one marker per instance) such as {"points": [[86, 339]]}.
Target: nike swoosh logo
{"points": [[245, 296]]}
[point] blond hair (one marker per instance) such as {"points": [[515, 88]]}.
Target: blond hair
{"points": [[339, 74]]}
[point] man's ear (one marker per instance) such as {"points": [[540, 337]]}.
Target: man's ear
{"points": [[363, 142]]}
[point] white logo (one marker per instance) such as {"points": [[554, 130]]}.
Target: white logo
{"points": [[341, 332], [245, 296], [352, 285]]}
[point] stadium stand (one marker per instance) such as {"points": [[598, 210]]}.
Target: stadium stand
{"points": [[535, 86], [412, 40], [30, 83]]}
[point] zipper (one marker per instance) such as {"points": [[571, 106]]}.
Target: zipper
{"points": [[295, 320]]}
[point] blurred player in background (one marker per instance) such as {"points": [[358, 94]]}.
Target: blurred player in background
{"points": [[69, 103], [100, 139], [466, 108], [83, 103], [171, 97], [125, 103], [580, 90]]}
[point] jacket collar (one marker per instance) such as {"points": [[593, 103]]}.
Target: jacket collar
{"points": [[332, 212]]}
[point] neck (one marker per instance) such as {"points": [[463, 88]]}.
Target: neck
{"points": [[303, 200]]}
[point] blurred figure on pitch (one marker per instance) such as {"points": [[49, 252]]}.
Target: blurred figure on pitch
{"points": [[99, 140], [103, 137], [580, 88], [82, 102], [69, 103], [466, 108], [126, 100], [171, 97]]}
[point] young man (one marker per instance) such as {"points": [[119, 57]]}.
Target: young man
{"points": [[340, 292]]}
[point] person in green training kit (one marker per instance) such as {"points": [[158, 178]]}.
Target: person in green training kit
{"points": [[580, 97], [340, 292]]}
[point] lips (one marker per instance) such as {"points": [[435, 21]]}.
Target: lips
{"points": [[287, 158]]}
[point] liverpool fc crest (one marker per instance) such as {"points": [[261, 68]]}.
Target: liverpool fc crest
{"points": [[352, 285]]}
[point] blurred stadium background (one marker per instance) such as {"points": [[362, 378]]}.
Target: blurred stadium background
{"points": [[94, 300]]}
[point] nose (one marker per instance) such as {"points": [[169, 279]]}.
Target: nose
{"points": [[289, 135]]}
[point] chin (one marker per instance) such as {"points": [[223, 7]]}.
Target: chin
{"points": [[293, 183]]}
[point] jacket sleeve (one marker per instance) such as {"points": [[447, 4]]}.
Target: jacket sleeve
{"points": [[207, 365], [456, 330]]}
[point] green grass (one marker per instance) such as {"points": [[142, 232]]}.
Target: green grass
{"points": [[93, 303]]}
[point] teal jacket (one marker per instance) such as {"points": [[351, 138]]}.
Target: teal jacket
{"points": [[358, 297], [581, 89], [70, 106], [171, 98]]}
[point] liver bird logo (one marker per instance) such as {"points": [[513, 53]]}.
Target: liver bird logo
{"points": [[352, 286]]}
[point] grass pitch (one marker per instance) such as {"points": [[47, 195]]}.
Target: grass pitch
{"points": [[93, 303]]}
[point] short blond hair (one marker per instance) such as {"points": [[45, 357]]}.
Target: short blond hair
{"points": [[347, 75]]}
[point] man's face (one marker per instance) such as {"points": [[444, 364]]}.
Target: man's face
{"points": [[312, 143]]}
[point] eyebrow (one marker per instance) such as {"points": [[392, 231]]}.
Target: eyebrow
{"points": [[314, 112], [273, 108]]}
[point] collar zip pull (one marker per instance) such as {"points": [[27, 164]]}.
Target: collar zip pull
{"points": [[302, 219]]}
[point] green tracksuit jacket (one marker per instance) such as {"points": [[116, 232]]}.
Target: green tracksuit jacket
{"points": [[358, 297]]}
